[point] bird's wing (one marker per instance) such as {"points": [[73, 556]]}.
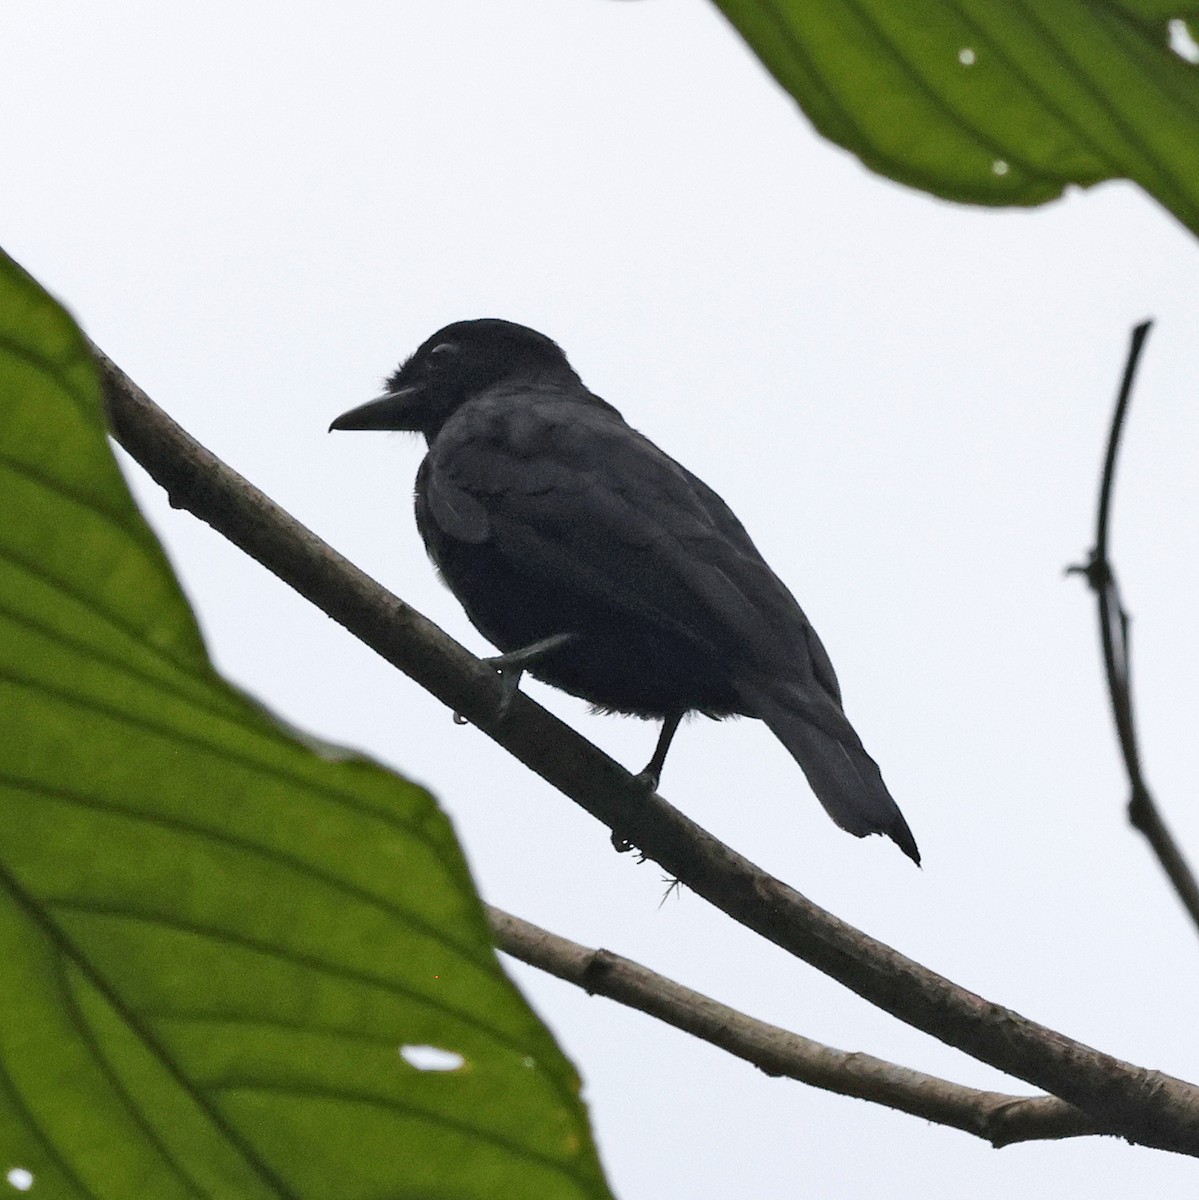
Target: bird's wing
{"points": [[785, 604], [572, 493]]}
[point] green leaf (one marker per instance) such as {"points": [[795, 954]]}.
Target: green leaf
{"points": [[992, 101], [216, 942]]}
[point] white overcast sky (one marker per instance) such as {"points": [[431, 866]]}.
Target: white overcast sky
{"points": [[259, 209]]}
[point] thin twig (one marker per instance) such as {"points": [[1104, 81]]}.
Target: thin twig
{"points": [[1114, 636], [1141, 1105], [996, 1117]]}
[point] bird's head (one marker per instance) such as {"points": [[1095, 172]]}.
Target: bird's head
{"points": [[455, 365]]}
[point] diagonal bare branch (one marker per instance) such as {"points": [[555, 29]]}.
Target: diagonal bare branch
{"points": [[1142, 1105], [996, 1117], [1114, 635]]}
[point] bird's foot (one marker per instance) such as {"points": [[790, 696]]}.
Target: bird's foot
{"points": [[511, 666], [649, 778], [509, 684]]}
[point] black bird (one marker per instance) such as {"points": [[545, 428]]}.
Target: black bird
{"points": [[597, 562]]}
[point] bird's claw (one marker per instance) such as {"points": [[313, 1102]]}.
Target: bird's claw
{"points": [[622, 845]]}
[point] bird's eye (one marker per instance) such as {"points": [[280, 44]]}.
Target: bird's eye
{"points": [[441, 356]]}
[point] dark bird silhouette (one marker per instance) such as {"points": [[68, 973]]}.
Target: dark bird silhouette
{"points": [[603, 567]]}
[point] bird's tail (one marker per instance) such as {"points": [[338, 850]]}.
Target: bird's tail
{"points": [[844, 777]]}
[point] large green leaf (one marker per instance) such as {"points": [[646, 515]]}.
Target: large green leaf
{"points": [[993, 101], [216, 941]]}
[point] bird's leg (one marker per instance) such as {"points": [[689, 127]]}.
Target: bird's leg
{"points": [[651, 774], [653, 769], [511, 666]]}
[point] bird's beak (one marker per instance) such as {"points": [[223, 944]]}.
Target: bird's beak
{"points": [[396, 410]]}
